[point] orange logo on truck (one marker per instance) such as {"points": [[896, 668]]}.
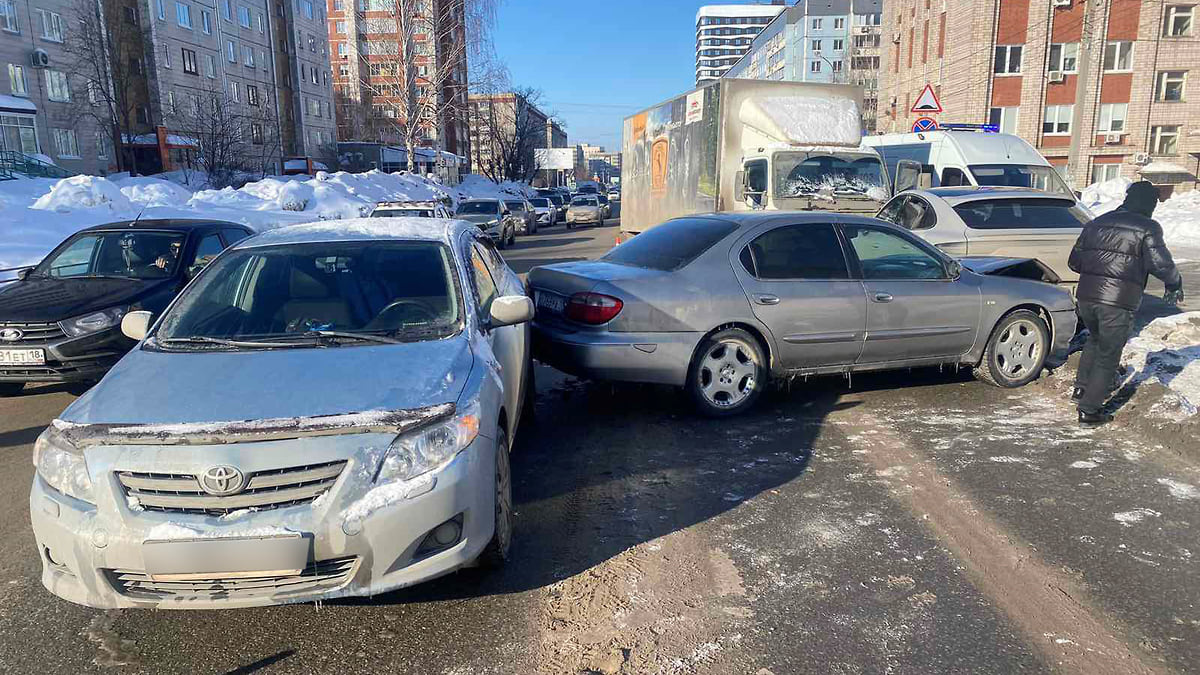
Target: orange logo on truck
{"points": [[658, 164]]}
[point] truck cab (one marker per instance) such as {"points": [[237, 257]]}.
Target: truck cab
{"points": [[847, 180]]}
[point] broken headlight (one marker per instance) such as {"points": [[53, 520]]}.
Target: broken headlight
{"points": [[62, 466]]}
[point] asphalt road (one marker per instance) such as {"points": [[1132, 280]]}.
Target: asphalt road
{"points": [[918, 522]]}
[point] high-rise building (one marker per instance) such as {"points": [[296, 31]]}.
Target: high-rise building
{"points": [[724, 33], [1099, 88], [303, 78], [832, 41], [504, 120]]}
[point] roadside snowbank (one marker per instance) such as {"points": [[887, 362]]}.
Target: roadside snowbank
{"points": [[1167, 351], [37, 214], [1179, 215]]}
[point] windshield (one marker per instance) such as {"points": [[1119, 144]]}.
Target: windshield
{"points": [[671, 245], [584, 201], [485, 208], [808, 174], [1020, 175], [515, 206], [131, 255], [541, 203], [402, 289], [403, 213]]}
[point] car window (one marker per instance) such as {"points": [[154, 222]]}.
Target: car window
{"points": [[886, 255], [495, 261], [484, 208], [917, 214], [73, 261], [208, 248], [233, 236], [671, 245], [126, 254], [892, 210], [954, 176], [992, 214], [799, 252], [515, 206], [481, 279]]}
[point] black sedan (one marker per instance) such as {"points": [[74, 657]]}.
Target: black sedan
{"points": [[61, 320]]}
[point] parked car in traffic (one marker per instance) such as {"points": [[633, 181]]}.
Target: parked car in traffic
{"points": [[327, 410], [411, 210], [522, 211], [60, 320], [614, 194], [560, 203], [545, 211], [584, 209], [993, 221], [491, 216], [723, 304]]}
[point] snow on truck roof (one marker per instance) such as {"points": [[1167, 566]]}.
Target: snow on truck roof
{"points": [[360, 229], [805, 120]]}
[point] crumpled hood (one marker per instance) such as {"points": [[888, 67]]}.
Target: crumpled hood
{"points": [[46, 300], [152, 387]]}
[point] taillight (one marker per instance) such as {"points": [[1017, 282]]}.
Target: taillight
{"points": [[593, 308]]}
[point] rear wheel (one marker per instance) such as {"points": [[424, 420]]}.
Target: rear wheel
{"points": [[727, 374], [11, 388], [1016, 351], [495, 554]]}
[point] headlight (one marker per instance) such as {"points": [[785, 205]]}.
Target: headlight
{"points": [[419, 452], [61, 465], [96, 321]]}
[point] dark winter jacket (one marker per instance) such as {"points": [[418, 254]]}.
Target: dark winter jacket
{"points": [[1118, 250]]}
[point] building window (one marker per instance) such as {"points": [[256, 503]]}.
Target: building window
{"points": [[1179, 20], [1058, 119], [210, 66], [262, 23], [1004, 118], [836, 66], [18, 132], [135, 65], [1118, 57], [816, 24], [316, 77], [101, 145], [248, 56], [189, 61], [57, 87], [816, 45], [183, 15], [1170, 85], [306, 8], [251, 94], [143, 114], [343, 71], [1112, 117], [340, 27], [8, 16], [1105, 172], [256, 133], [16, 79], [65, 144], [243, 16], [1063, 57], [1164, 139], [234, 92], [227, 10], [206, 22], [195, 100], [343, 50], [312, 42], [815, 67], [839, 45], [171, 102], [839, 22], [52, 25], [262, 58], [1008, 60], [231, 51]]}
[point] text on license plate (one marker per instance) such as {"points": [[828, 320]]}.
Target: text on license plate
{"points": [[22, 357], [551, 301]]}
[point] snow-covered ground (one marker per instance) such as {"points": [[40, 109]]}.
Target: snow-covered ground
{"points": [[1179, 215], [1167, 351], [36, 214]]}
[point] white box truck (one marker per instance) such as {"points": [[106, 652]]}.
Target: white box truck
{"points": [[734, 145]]}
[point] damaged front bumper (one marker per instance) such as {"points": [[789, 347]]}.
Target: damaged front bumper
{"points": [[355, 538]]}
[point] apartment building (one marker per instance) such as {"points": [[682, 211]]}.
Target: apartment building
{"points": [[368, 54], [724, 33], [832, 41], [304, 79], [498, 116], [556, 136], [39, 100], [1101, 88]]}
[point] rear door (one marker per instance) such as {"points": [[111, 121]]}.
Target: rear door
{"points": [[1033, 227], [799, 285], [915, 309]]}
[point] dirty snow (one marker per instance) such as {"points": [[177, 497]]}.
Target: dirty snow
{"points": [[1180, 490], [1129, 518], [1084, 464], [1179, 215], [1167, 351], [170, 531]]}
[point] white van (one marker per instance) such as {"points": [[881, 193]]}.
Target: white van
{"points": [[965, 157]]}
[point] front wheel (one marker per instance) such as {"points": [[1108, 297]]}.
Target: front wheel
{"points": [[727, 374], [11, 388], [1016, 351], [495, 554]]}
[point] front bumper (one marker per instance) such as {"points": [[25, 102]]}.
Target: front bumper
{"points": [[360, 541], [584, 218], [655, 358], [1063, 328], [82, 359]]}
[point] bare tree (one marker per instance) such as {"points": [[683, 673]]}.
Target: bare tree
{"points": [[223, 134], [104, 52], [509, 127]]}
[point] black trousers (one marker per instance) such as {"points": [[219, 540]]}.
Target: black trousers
{"points": [[1108, 329]]}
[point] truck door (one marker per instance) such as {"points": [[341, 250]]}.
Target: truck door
{"points": [[756, 181]]}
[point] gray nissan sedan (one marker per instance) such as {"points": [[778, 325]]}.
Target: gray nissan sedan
{"points": [[325, 410], [721, 304]]}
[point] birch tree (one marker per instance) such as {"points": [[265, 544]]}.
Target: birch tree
{"points": [[510, 127]]}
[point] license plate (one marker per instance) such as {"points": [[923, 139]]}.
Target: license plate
{"points": [[551, 301], [22, 357], [182, 559]]}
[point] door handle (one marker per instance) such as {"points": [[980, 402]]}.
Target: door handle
{"points": [[883, 297], [766, 299]]}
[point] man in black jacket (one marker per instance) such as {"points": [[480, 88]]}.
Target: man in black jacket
{"points": [[1114, 257]]}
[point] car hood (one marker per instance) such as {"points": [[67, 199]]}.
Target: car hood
{"points": [[478, 218], [152, 387], [45, 300], [1021, 268]]}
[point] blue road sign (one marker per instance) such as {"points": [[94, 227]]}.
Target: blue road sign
{"points": [[925, 124]]}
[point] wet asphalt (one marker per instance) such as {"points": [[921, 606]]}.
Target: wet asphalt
{"points": [[836, 571]]}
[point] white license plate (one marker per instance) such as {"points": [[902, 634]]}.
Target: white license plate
{"points": [[552, 302], [22, 357]]}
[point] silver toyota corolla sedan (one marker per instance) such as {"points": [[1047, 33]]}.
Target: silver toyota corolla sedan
{"points": [[720, 304], [326, 410]]}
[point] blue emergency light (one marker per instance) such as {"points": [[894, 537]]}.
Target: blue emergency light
{"points": [[986, 128]]}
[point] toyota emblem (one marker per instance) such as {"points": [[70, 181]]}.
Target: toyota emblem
{"points": [[11, 334], [222, 481]]}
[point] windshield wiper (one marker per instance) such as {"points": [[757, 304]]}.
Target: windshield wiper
{"points": [[241, 344], [368, 337]]}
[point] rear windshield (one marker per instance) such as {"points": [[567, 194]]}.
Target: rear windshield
{"points": [[487, 208], [403, 213], [540, 202], [671, 245], [584, 201], [515, 206], [996, 214]]}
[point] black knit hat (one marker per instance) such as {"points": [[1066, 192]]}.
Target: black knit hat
{"points": [[1141, 198]]}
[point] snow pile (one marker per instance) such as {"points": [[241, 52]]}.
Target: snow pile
{"points": [[83, 192], [806, 120], [1179, 215], [1167, 351], [474, 186], [147, 192], [1104, 197]]}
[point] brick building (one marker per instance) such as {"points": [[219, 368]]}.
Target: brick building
{"points": [[1018, 63]]}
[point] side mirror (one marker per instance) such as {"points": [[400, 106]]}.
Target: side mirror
{"points": [[22, 275], [510, 310], [739, 187], [135, 325], [955, 269]]}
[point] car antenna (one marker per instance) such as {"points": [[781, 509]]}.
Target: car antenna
{"points": [[139, 216]]}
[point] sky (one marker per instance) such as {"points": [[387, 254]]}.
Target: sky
{"points": [[598, 61]]}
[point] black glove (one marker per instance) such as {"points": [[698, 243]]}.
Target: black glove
{"points": [[1174, 297]]}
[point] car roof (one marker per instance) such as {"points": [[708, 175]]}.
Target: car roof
{"points": [[175, 224], [966, 193], [442, 230]]}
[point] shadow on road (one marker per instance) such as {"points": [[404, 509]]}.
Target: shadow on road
{"points": [[262, 664], [525, 244], [19, 437]]}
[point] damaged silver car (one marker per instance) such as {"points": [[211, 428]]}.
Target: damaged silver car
{"points": [[326, 410]]}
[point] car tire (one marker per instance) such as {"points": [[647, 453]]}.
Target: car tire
{"points": [[1016, 351], [11, 388], [727, 373], [495, 554]]}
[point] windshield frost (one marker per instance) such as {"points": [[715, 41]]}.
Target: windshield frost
{"points": [[829, 175]]}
